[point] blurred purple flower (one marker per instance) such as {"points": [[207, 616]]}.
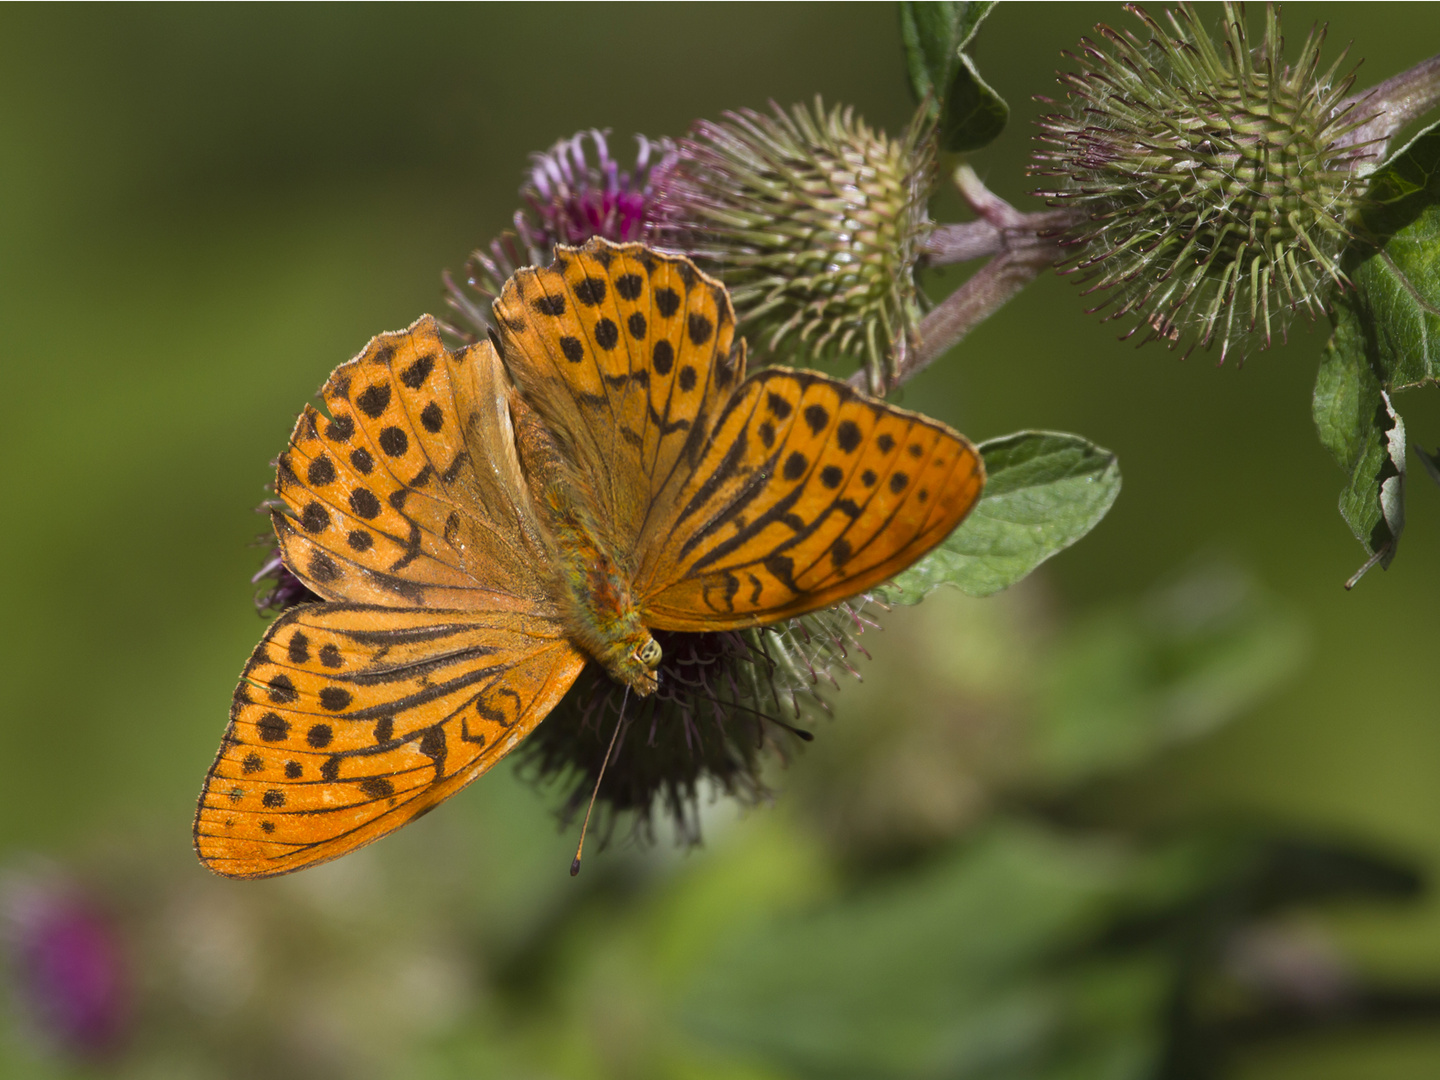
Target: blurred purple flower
{"points": [[574, 191], [67, 967]]}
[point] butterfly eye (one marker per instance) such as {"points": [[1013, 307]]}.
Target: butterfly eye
{"points": [[649, 654]]}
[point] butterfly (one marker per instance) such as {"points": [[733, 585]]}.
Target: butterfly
{"points": [[482, 524]]}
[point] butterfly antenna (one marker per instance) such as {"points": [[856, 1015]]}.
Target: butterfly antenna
{"points": [[580, 848]]}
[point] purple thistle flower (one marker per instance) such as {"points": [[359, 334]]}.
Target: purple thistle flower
{"points": [[67, 967], [574, 191], [279, 589]]}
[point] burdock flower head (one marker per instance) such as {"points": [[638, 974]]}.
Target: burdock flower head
{"points": [[574, 191], [1214, 185], [727, 700], [814, 222]]}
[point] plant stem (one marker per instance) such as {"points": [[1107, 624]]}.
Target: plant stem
{"points": [[998, 227], [1022, 245], [1394, 103]]}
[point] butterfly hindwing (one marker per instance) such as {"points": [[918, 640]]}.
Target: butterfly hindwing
{"points": [[808, 492], [627, 355], [350, 720], [383, 501]]}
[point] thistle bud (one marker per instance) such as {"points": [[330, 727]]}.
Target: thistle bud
{"points": [[1214, 186], [814, 222]]}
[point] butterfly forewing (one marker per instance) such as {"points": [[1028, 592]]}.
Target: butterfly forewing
{"points": [[808, 492], [350, 720], [628, 356], [384, 502]]}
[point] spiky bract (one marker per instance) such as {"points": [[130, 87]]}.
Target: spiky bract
{"points": [[1214, 184], [814, 221], [726, 701]]}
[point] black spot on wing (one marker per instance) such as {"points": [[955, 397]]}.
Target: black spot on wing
{"points": [[314, 518], [321, 471], [364, 503], [783, 568], [415, 375], [335, 698], [394, 441], [700, 328], [298, 650], [273, 728], [374, 400], [591, 291], [322, 568], [607, 334], [667, 301], [453, 469], [377, 787]]}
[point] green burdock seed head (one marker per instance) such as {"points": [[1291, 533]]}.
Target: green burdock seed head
{"points": [[1213, 184], [814, 221]]}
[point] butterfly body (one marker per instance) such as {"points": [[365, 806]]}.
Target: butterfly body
{"points": [[482, 524], [593, 590]]}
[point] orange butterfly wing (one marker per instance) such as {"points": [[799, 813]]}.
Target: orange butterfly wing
{"points": [[627, 355], [351, 720], [385, 502], [808, 492]]}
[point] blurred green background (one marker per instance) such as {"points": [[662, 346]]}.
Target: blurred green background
{"points": [[205, 209]]}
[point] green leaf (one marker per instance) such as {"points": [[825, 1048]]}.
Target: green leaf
{"points": [[1181, 662], [1044, 490], [969, 112], [1366, 436], [1398, 283], [941, 972]]}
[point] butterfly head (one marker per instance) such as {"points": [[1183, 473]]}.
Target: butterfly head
{"points": [[638, 665]]}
